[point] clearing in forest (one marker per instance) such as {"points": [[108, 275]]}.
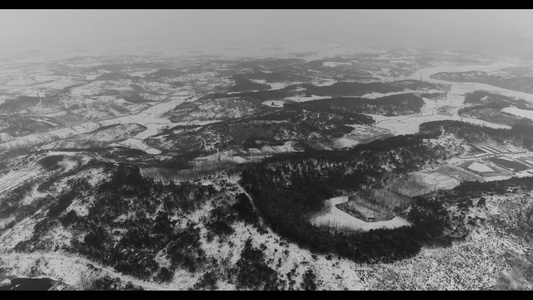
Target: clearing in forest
{"points": [[336, 218]]}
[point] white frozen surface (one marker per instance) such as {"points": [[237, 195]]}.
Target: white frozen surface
{"points": [[304, 98], [338, 218], [376, 95], [519, 112], [475, 166], [274, 103]]}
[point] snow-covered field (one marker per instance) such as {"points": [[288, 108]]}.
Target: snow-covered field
{"points": [[15, 178], [425, 74], [274, 103], [286, 147], [406, 124], [304, 98], [139, 144], [454, 100], [376, 95], [346, 142], [438, 180], [5, 137], [332, 64], [324, 82], [34, 139], [475, 166], [274, 85], [151, 118], [519, 112], [279, 85], [338, 218]]}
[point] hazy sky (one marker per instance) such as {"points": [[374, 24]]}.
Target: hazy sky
{"points": [[39, 28]]}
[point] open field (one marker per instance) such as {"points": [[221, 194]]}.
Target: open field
{"points": [[519, 112], [527, 160], [508, 163], [483, 169], [361, 134], [439, 180], [445, 110], [410, 185], [337, 218], [444, 177], [368, 211]]}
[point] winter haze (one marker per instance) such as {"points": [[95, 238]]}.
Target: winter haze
{"points": [[161, 30]]}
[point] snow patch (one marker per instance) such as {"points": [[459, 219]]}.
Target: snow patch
{"points": [[475, 166], [274, 103], [338, 218], [519, 112], [305, 98]]}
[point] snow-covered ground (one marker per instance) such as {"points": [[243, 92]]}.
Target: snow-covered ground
{"points": [[438, 180], [425, 74], [324, 82], [304, 98], [475, 166], [519, 112], [15, 178], [332, 64], [338, 218], [34, 139], [151, 118], [376, 95], [286, 147], [279, 85], [232, 155], [65, 267], [454, 99], [360, 133], [346, 142], [5, 137], [408, 124], [274, 103], [139, 144]]}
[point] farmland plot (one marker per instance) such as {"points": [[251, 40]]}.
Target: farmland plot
{"points": [[440, 181], [508, 163], [409, 185], [366, 211], [445, 177], [337, 218], [527, 160], [483, 169]]}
